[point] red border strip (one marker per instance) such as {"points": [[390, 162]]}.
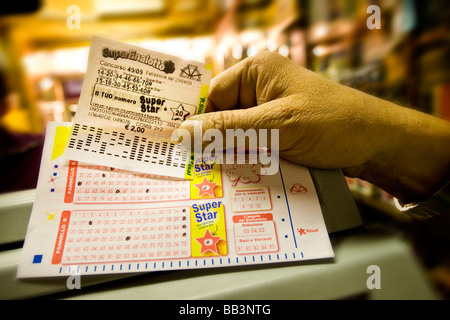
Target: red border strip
{"points": [[61, 237]]}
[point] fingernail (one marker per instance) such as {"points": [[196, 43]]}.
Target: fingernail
{"points": [[191, 125], [190, 132], [175, 137]]}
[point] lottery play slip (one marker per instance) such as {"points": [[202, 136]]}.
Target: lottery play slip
{"points": [[101, 208]]}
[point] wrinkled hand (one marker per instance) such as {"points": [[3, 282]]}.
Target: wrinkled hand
{"points": [[322, 124]]}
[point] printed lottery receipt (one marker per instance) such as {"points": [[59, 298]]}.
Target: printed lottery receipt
{"points": [[131, 101]]}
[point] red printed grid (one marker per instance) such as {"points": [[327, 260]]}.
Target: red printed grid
{"points": [[98, 184], [250, 199], [127, 235]]}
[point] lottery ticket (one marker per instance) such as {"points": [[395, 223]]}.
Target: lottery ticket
{"points": [[131, 101], [97, 219]]}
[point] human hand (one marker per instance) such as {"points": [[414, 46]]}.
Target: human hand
{"points": [[323, 124]]}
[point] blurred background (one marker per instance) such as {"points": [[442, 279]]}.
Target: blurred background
{"points": [[44, 47]]}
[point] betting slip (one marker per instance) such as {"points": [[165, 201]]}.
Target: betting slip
{"points": [[99, 219]]}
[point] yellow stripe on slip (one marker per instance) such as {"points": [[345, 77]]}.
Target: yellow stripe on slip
{"points": [[202, 99], [61, 137], [189, 173]]}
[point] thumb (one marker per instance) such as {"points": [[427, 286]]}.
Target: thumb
{"points": [[197, 131], [242, 124], [223, 120]]}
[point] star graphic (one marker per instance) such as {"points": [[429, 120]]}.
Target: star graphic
{"points": [[50, 216], [208, 242], [205, 187], [179, 113], [52, 179]]}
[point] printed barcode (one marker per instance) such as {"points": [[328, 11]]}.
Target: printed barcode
{"points": [[127, 146]]}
